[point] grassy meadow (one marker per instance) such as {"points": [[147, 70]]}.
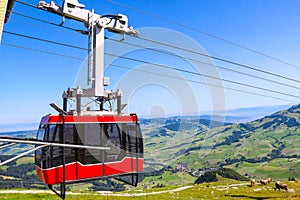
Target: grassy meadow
{"points": [[222, 189]]}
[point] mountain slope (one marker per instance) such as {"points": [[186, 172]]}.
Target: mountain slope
{"points": [[269, 146]]}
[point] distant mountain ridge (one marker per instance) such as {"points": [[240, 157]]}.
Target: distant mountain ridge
{"points": [[231, 116], [253, 113], [18, 127], [238, 115]]}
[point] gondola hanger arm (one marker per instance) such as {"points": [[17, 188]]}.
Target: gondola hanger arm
{"points": [[73, 10]]}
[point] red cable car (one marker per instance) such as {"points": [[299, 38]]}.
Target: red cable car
{"points": [[119, 136], [88, 141]]}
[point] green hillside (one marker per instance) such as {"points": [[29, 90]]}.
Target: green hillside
{"points": [[266, 147]]}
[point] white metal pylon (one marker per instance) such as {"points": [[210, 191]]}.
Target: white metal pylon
{"points": [[96, 25]]}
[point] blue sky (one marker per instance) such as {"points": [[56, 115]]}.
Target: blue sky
{"points": [[31, 80]]}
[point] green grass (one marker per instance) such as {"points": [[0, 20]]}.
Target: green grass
{"points": [[82, 187], [167, 179], [280, 169], [25, 160], [4, 168], [223, 189]]}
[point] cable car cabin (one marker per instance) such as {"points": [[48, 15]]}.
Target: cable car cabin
{"points": [[121, 134]]}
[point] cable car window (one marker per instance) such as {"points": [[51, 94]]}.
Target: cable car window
{"points": [[123, 137], [69, 139], [114, 142], [56, 136], [92, 134], [92, 137], [40, 134], [134, 139], [56, 151], [131, 138], [46, 151], [114, 134], [140, 145], [46, 134], [49, 152], [38, 152], [51, 132], [69, 133], [38, 157]]}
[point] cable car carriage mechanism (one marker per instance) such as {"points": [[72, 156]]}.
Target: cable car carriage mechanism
{"points": [[92, 142]]}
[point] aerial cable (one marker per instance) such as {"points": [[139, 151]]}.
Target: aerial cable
{"points": [[205, 63], [158, 74], [180, 48], [159, 65], [42, 51], [203, 33], [47, 22], [220, 59], [27, 4], [199, 74], [44, 40], [203, 83]]}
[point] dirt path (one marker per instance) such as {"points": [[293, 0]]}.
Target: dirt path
{"points": [[144, 193], [231, 185], [34, 192], [103, 193]]}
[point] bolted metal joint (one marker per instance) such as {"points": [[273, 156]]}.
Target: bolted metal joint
{"points": [[51, 7]]}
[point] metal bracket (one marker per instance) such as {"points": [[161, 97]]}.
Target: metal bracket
{"points": [[62, 193], [123, 38]]}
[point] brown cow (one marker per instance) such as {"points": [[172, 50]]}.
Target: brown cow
{"points": [[252, 182], [264, 182], [279, 186]]}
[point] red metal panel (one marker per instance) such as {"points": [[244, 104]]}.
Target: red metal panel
{"points": [[89, 171], [55, 175], [39, 173], [56, 119], [126, 166], [76, 171]]}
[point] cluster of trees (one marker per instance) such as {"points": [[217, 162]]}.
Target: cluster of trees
{"points": [[107, 185], [229, 173], [269, 157], [22, 177], [211, 176]]}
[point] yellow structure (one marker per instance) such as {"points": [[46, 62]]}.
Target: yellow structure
{"points": [[3, 5]]}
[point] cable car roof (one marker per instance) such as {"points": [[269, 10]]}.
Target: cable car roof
{"points": [[71, 119]]}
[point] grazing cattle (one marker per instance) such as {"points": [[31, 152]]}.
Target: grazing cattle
{"points": [[252, 182], [264, 182], [279, 186]]}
